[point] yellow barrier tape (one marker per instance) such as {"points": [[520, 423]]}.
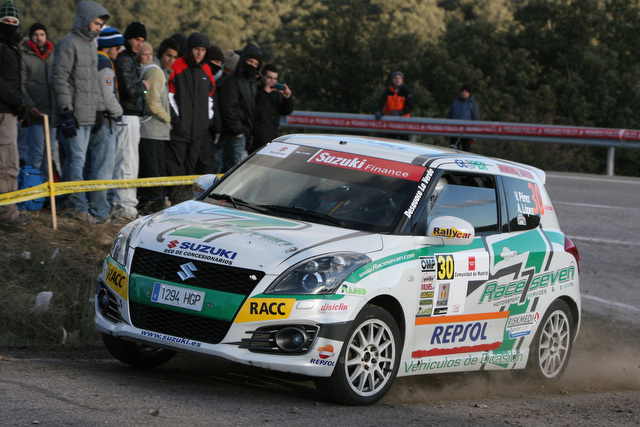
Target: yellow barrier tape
{"points": [[58, 188]]}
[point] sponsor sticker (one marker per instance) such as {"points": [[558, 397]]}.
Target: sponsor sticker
{"points": [[324, 354], [255, 309], [278, 149], [521, 325], [465, 333], [118, 280], [368, 164], [428, 263]]}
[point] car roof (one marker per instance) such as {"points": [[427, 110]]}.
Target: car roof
{"points": [[413, 153]]}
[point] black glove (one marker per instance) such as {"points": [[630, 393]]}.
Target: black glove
{"points": [[396, 113], [378, 115], [99, 122], [69, 124], [24, 114]]}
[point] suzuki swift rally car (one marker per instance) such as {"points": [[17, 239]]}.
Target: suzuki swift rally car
{"points": [[351, 260]]}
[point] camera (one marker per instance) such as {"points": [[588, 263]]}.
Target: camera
{"points": [[278, 86]]}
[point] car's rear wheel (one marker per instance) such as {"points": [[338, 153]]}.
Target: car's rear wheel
{"points": [[368, 362], [136, 354], [552, 343]]}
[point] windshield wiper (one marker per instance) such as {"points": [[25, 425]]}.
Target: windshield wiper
{"points": [[303, 212], [235, 202]]}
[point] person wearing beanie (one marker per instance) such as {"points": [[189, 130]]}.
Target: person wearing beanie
{"points": [[464, 107], [209, 148], [102, 143], [132, 91], [237, 104], [191, 89], [397, 99], [78, 98], [12, 107], [230, 62], [9, 13], [37, 65], [216, 59]]}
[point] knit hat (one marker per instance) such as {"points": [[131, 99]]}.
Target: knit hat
{"points": [[198, 40], [398, 73], [134, 30], [465, 87], [37, 26], [231, 59], [110, 37], [8, 9], [215, 54]]}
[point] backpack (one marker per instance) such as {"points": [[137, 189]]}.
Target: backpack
{"points": [[30, 177]]}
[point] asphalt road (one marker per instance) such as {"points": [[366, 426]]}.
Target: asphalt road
{"points": [[85, 387], [602, 216]]}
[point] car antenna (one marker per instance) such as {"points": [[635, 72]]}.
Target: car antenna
{"points": [[455, 145]]}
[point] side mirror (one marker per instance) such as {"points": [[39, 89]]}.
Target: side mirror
{"points": [[449, 230], [202, 184]]}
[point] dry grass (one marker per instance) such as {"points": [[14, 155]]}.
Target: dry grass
{"points": [[36, 258]]}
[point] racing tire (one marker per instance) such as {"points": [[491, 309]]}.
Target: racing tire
{"points": [[136, 354], [368, 362], [552, 344]]}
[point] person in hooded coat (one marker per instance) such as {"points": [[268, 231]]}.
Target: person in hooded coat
{"points": [[191, 88], [78, 96], [237, 95]]}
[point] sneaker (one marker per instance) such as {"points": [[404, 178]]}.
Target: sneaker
{"points": [[128, 214], [23, 218], [85, 217]]}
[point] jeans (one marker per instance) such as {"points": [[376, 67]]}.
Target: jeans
{"points": [[32, 139], [76, 156], [101, 157], [232, 150]]}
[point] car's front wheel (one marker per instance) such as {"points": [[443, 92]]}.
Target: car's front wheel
{"points": [[368, 362], [552, 343], [135, 354]]}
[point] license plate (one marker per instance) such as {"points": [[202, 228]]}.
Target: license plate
{"points": [[177, 297]]}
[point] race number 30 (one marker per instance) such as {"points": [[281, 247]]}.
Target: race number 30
{"points": [[446, 267]]}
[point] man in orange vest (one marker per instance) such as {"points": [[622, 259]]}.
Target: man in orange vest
{"points": [[397, 99]]}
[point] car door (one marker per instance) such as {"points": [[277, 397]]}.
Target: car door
{"points": [[446, 323]]}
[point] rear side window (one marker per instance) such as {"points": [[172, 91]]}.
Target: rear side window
{"points": [[524, 203], [470, 197]]}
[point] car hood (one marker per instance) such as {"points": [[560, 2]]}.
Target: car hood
{"points": [[244, 239]]}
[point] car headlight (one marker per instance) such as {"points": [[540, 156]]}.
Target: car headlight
{"points": [[120, 247], [319, 275]]}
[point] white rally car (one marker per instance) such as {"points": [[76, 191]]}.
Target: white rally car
{"points": [[352, 260]]}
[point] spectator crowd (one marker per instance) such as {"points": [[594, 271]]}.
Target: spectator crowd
{"points": [[119, 108]]}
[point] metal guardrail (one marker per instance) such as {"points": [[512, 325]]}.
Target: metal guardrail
{"points": [[603, 137]]}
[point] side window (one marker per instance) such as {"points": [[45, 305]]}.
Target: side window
{"points": [[524, 203], [470, 197]]}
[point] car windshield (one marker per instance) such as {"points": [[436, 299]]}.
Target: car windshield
{"points": [[322, 186]]}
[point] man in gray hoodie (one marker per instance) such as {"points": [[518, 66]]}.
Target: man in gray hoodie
{"points": [[77, 94]]}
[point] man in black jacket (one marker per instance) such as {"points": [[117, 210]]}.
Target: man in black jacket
{"points": [[191, 89], [271, 103], [11, 105], [237, 103], [131, 91]]}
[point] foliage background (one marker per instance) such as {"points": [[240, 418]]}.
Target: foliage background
{"points": [[564, 62]]}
